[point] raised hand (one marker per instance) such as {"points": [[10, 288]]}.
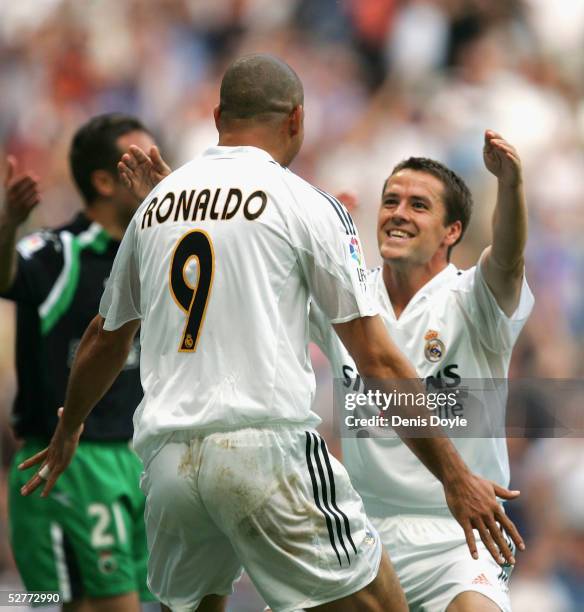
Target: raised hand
{"points": [[501, 159], [21, 194], [141, 172], [473, 503]]}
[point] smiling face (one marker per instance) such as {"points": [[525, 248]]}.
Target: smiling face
{"points": [[412, 225]]}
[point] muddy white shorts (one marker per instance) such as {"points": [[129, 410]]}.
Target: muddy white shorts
{"points": [[434, 565], [272, 501]]}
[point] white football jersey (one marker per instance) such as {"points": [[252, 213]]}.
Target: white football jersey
{"points": [[219, 263], [452, 330]]}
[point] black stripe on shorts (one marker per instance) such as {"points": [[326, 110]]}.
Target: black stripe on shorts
{"points": [[317, 476], [329, 468], [317, 498]]}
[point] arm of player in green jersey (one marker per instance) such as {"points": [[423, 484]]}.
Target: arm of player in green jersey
{"points": [[21, 195], [141, 172], [503, 261], [99, 359], [472, 500]]}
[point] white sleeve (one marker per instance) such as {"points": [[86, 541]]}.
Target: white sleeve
{"points": [[319, 329], [497, 331], [327, 245], [120, 301]]}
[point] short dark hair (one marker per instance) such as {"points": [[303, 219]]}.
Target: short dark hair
{"points": [[257, 85], [457, 196], [94, 148]]}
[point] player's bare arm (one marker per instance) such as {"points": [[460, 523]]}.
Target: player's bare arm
{"points": [[21, 195], [472, 500], [100, 358], [141, 172], [503, 261]]}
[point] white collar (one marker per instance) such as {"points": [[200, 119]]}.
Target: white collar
{"points": [[436, 283], [239, 151]]}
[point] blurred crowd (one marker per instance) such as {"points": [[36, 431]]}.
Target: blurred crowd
{"points": [[384, 79]]}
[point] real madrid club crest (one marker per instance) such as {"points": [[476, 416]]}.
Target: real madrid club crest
{"points": [[434, 348]]}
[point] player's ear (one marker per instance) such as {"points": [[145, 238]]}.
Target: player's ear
{"points": [[217, 116], [453, 233], [295, 120], [103, 182]]}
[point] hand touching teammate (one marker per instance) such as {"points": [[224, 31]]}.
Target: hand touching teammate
{"points": [[141, 172]]}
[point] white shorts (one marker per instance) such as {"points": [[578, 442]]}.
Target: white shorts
{"points": [[434, 565], [272, 501]]}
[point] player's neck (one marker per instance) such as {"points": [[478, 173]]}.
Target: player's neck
{"points": [[108, 217], [403, 280], [253, 137]]}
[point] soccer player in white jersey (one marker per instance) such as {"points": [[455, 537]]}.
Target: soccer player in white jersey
{"points": [[218, 266], [453, 326]]}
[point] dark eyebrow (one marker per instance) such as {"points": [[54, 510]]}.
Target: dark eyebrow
{"points": [[389, 194], [393, 194], [422, 198]]}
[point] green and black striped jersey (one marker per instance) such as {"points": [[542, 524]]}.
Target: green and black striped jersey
{"points": [[60, 279]]}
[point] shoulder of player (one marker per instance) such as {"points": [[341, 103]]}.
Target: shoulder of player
{"points": [[461, 280], [311, 193], [318, 203], [445, 291], [42, 241], [51, 240]]}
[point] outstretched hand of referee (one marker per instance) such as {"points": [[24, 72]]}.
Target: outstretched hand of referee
{"points": [[54, 459], [473, 503], [140, 172]]}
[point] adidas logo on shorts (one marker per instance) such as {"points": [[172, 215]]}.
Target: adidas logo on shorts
{"points": [[481, 579]]}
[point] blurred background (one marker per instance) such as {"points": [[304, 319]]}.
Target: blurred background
{"points": [[384, 79]]}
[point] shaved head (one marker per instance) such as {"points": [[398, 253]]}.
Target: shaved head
{"points": [[258, 85]]}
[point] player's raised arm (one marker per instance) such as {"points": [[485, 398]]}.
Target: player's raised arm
{"points": [[99, 360], [503, 261], [472, 500], [141, 172], [21, 195]]}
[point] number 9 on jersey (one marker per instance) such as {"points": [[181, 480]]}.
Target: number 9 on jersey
{"points": [[192, 300]]}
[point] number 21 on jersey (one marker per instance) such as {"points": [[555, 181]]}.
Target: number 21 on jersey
{"points": [[192, 300]]}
